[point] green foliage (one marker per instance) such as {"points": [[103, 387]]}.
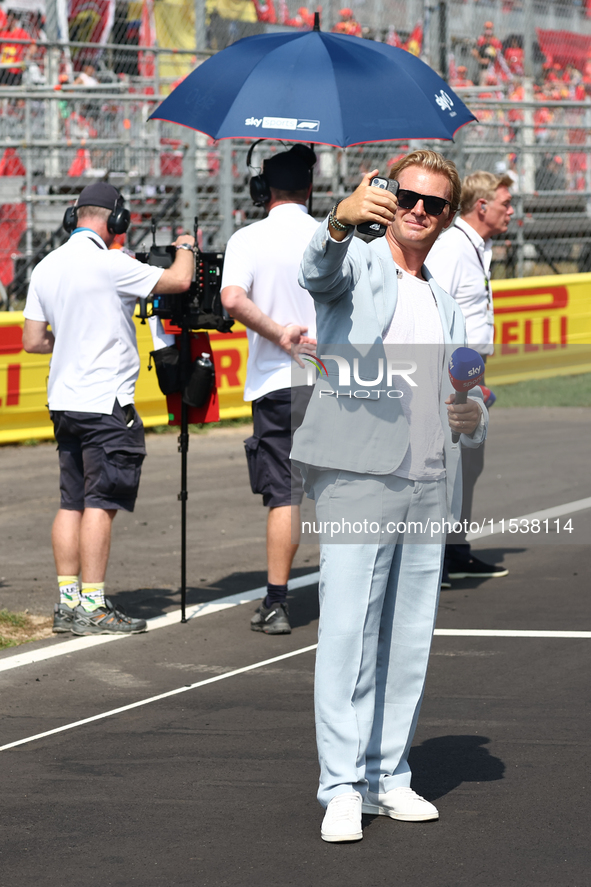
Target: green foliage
{"points": [[11, 620], [14, 620]]}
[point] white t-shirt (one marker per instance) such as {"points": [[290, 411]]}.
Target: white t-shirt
{"points": [[264, 259], [87, 294], [460, 263], [416, 331]]}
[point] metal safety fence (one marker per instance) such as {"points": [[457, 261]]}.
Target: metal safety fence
{"points": [[75, 102], [52, 145]]}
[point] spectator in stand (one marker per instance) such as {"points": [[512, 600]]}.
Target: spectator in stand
{"points": [[303, 19], [489, 114], [86, 76], [487, 49], [517, 95], [514, 55], [577, 160], [543, 117], [35, 73], [306, 17], [550, 174], [13, 56], [348, 24], [461, 79]]}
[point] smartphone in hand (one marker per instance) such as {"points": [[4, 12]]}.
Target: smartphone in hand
{"points": [[374, 229]]}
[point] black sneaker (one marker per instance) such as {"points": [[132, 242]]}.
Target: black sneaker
{"points": [[63, 617], [476, 568], [105, 620], [274, 620]]}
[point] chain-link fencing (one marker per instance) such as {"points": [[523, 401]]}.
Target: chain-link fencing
{"points": [[76, 110]]}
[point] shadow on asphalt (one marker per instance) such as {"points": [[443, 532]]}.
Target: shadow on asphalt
{"points": [[146, 603], [442, 764]]}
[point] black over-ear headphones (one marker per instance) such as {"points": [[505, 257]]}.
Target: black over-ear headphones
{"points": [[117, 223], [260, 191]]}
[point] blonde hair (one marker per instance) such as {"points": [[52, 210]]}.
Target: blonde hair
{"points": [[481, 185], [433, 162], [93, 212]]}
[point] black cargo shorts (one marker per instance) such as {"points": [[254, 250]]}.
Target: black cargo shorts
{"points": [[100, 458], [276, 416]]}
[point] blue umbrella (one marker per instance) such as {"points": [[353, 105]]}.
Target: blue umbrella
{"points": [[316, 87]]}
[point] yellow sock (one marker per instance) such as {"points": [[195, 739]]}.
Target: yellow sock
{"points": [[69, 591], [92, 595]]}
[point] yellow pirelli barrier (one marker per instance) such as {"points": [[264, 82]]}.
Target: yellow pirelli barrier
{"points": [[542, 329], [23, 381]]}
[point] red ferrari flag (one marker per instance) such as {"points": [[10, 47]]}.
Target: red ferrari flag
{"points": [[89, 21]]}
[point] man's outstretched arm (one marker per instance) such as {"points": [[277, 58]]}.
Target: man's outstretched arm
{"points": [[243, 309]]}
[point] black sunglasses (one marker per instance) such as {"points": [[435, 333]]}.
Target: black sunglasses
{"points": [[434, 206]]}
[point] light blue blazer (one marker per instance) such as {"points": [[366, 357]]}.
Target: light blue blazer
{"points": [[355, 289]]}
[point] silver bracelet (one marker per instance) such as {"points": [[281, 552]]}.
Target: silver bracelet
{"points": [[184, 246]]}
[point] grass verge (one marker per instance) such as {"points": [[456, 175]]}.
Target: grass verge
{"points": [[560, 391], [201, 429], [19, 628]]}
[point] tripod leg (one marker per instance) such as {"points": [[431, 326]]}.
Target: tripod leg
{"points": [[183, 496]]}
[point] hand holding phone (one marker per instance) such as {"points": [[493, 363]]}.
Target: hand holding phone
{"points": [[375, 229]]}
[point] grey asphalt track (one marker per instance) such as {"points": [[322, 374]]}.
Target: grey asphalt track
{"points": [[216, 786]]}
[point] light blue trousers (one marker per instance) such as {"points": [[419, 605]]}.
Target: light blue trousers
{"points": [[378, 605]]}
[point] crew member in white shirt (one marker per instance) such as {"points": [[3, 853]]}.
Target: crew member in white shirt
{"points": [[260, 289], [80, 308], [460, 262]]}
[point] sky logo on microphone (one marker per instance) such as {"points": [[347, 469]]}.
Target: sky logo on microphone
{"points": [[466, 368]]}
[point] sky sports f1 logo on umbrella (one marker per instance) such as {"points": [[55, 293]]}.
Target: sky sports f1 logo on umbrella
{"points": [[288, 123], [386, 371]]}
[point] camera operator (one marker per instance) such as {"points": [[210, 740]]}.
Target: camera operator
{"points": [[260, 289], [80, 309]]}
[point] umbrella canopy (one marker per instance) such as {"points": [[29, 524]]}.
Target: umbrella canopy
{"points": [[316, 87]]}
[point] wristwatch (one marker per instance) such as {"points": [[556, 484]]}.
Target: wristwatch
{"points": [[334, 222], [184, 246]]}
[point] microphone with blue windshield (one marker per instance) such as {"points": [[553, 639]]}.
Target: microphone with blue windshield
{"points": [[466, 369]]}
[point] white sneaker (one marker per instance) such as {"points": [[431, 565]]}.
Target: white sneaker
{"points": [[342, 820], [400, 803]]}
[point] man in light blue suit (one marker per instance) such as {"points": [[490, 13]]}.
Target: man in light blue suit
{"points": [[383, 464]]}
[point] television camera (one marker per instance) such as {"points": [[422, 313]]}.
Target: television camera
{"points": [[199, 308]]}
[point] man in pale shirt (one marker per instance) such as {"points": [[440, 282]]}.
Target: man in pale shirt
{"points": [[79, 309], [260, 289], [460, 261], [388, 464]]}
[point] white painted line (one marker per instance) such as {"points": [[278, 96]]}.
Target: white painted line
{"points": [[44, 653], [547, 513], [507, 633], [446, 632], [116, 711], [76, 644]]}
